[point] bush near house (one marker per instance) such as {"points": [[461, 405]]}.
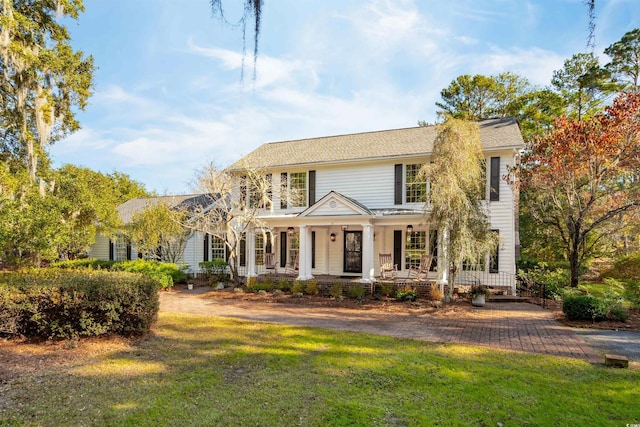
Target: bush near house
{"points": [[57, 303], [166, 273]]}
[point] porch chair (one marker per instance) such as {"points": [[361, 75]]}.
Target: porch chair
{"points": [[418, 272], [388, 270], [270, 262], [293, 269]]}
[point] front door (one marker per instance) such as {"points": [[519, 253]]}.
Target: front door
{"points": [[353, 251]]}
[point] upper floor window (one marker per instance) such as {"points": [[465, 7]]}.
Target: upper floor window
{"points": [[415, 185], [293, 190], [298, 189]]}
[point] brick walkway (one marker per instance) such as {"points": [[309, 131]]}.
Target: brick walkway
{"points": [[508, 326]]}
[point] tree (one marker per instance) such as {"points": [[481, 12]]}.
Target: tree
{"points": [[583, 85], [236, 201], [455, 208], [582, 175], [625, 60], [159, 233], [44, 79], [87, 201]]}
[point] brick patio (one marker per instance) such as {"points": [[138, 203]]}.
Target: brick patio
{"points": [[508, 326]]}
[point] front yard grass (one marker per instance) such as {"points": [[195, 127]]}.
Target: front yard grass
{"points": [[196, 370]]}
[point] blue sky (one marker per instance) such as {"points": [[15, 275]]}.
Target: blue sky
{"points": [[169, 100]]}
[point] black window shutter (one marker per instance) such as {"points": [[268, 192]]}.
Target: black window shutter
{"points": [[205, 257], [494, 194], [312, 187], [313, 249], [129, 250], [283, 249], [243, 252], [226, 253], [494, 265], [433, 236], [111, 250], [397, 248], [267, 245], [397, 185], [283, 190]]}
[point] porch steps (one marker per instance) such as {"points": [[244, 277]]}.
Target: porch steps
{"points": [[507, 298]]}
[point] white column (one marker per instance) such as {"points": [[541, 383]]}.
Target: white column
{"points": [[251, 249], [302, 254], [327, 249], [309, 258], [367, 254]]}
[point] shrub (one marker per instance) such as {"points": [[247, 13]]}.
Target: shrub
{"points": [[583, 307], [626, 268], [434, 294], [336, 290], [632, 293], [215, 270], [60, 303], [256, 286], [406, 293], [311, 287], [356, 292], [284, 285], [386, 289], [298, 287], [164, 272], [618, 312]]}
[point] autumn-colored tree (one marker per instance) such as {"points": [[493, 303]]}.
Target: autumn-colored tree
{"points": [[582, 175]]}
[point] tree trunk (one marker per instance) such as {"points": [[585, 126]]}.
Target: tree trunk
{"points": [[574, 263]]}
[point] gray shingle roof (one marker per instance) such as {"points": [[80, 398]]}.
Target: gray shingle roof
{"points": [[186, 201], [494, 133]]}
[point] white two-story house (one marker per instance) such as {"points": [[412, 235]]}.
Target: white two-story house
{"points": [[361, 198]]}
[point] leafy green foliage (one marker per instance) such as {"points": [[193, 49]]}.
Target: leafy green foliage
{"points": [[67, 303], [625, 268], [406, 293], [165, 273], [298, 287], [311, 287], [158, 232], [625, 60], [336, 289], [583, 307], [356, 291]]}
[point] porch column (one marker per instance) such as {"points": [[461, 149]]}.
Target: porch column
{"points": [[367, 254], [308, 259], [251, 249], [302, 254], [443, 258], [327, 250]]}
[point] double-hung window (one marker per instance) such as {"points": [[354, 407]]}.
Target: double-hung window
{"points": [[415, 185], [218, 248], [293, 190]]}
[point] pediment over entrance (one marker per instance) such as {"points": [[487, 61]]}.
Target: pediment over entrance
{"points": [[336, 204]]}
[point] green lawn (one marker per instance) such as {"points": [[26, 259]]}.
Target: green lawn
{"points": [[208, 371]]}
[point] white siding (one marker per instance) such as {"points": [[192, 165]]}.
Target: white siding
{"points": [[194, 252], [100, 248]]}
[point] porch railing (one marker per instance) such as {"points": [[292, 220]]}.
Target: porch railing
{"points": [[494, 280]]}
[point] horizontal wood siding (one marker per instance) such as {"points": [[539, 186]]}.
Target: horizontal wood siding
{"points": [[502, 217], [100, 248]]}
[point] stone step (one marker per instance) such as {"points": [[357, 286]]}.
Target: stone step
{"points": [[507, 298]]}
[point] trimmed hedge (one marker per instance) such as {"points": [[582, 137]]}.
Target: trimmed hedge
{"points": [[56, 303], [583, 307], [165, 273]]}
